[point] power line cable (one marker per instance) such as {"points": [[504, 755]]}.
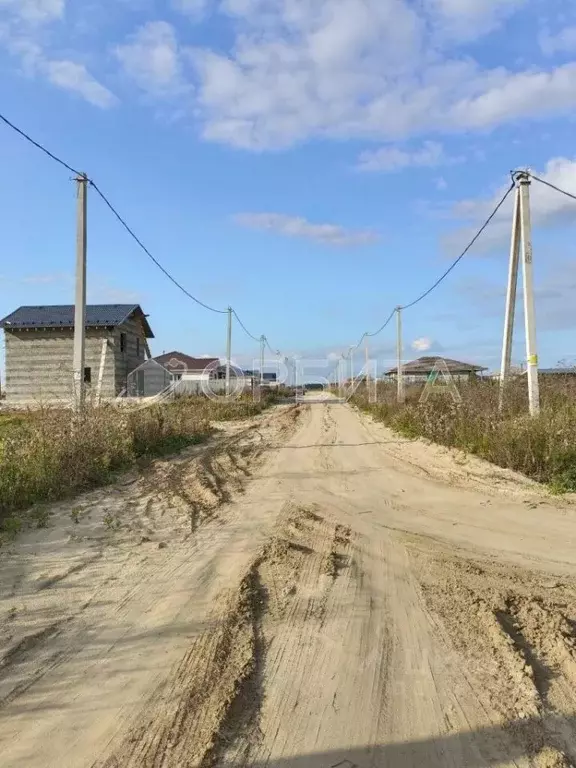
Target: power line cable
{"points": [[367, 335], [114, 211], [451, 267], [127, 227], [376, 333], [553, 186], [254, 338], [273, 351], [147, 252], [464, 252], [223, 311], [246, 331], [364, 335], [39, 146]]}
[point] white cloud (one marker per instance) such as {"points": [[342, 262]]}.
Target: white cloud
{"points": [[441, 184], [548, 207], [467, 19], [300, 69], [563, 42], [361, 69], [395, 159], [63, 73], [510, 96], [546, 204], [292, 226], [23, 39], [35, 11], [193, 8], [422, 345], [75, 77], [295, 70], [152, 58]]}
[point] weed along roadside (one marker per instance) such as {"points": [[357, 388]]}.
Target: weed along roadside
{"points": [[542, 447], [45, 455]]}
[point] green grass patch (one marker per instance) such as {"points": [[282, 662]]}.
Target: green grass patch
{"points": [[49, 454], [541, 447]]}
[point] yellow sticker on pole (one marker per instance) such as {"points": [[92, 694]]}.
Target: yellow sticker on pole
{"points": [[533, 360]]}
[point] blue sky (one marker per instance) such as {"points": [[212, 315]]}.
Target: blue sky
{"points": [[311, 162]]}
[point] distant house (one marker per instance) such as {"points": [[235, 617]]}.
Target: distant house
{"points": [[149, 379], [418, 371], [554, 372], [269, 378], [176, 373], [40, 350], [188, 368], [547, 373], [180, 374]]}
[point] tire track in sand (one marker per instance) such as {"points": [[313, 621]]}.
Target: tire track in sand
{"points": [[516, 630], [209, 707]]}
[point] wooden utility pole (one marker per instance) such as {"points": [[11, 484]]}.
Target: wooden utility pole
{"points": [[228, 351], [510, 298], [80, 298], [399, 354], [528, 285]]}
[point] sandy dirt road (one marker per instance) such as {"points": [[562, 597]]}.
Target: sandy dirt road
{"points": [[310, 590]]}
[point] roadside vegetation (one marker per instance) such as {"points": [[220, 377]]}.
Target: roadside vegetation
{"points": [[542, 448], [48, 454]]}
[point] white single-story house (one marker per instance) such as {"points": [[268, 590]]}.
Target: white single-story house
{"points": [[186, 368], [419, 371]]}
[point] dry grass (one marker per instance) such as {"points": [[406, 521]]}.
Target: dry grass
{"points": [[48, 454], [543, 448]]}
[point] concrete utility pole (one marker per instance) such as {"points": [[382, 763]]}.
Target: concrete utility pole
{"points": [[521, 241], [528, 285], [342, 371], [367, 372], [228, 351], [351, 355], [510, 298], [80, 298], [399, 354], [262, 343]]}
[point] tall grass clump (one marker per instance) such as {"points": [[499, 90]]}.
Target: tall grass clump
{"points": [[48, 454], [541, 447]]}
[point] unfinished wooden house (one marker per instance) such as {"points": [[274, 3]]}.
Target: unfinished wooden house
{"points": [[40, 351]]}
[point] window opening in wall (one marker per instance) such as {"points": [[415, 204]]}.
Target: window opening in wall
{"points": [[87, 375], [122, 342]]}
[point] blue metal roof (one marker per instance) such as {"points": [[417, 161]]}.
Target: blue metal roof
{"points": [[62, 316]]}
